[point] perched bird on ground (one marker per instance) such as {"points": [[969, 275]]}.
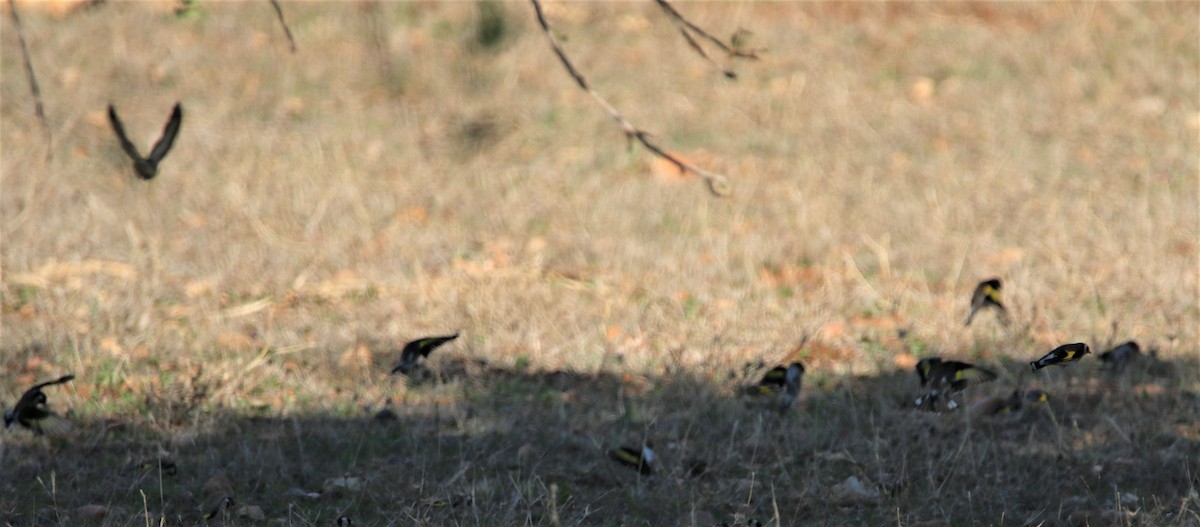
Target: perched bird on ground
{"points": [[31, 411], [344, 521], [1117, 358], [220, 509], [987, 294], [782, 382], [1035, 398], [164, 466], [1062, 355], [413, 351], [147, 167], [641, 459], [945, 378]]}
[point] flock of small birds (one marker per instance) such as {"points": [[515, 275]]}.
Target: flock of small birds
{"points": [[941, 378], [780, 386]]}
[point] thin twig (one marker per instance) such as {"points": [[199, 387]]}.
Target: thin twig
{"points": [[732, 51], [717, 183], [286, 30], [38, 107], [696, 46]]}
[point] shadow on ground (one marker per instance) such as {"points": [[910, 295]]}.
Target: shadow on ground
{"points": [[505, 447]]}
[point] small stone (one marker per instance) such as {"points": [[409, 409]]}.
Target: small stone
{"points": [[254, 512], [91, 512], [853, 491], [339, 485]]}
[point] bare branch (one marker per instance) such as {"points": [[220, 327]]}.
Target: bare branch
{"points": [[696, 46], [732, 51], [286, 30], [38, 107], [717, 183]]}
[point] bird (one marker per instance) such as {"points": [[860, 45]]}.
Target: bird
{"points": [[1117, 358], [344, 521], [1035, 398], [163, 466], [642, 459], [987, 294], [31, 411], [783, 382], [223, 505], [1062, 355], [147, 167], [413, 351], [1019, 400], [947, 377]]}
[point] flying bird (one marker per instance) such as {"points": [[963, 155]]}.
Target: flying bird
{"points": [[31, 411], [987, 294], [147, 167], [1061, 355], [945, 378], [413, 351]]}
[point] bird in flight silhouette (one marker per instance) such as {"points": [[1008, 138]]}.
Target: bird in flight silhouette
{"points": [[147, 167]]}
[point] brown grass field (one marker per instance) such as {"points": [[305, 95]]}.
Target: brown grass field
{"points": [[424, 168]]}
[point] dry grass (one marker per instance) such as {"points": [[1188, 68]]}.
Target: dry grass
{"points": [[395, 178]]}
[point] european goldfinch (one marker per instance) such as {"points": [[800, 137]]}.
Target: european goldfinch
{"points": [[945, 378], [987, 294], [220, 509], [1035, 398], [1062, 355], [641, 459], [783, 382], [31, 411], [1019, 400], [413, 351]]}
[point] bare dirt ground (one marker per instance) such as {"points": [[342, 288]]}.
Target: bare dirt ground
{"points": [[420, 168]]}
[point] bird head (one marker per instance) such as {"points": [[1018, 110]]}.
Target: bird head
{"points": [[925, 367]]}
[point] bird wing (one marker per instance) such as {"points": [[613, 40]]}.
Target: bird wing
{"points": [[52, 424], [28, 399], [775, 376], [974, 374], [34, 396], [993, 294], [168, 136], [427, 345], [60, 380], [126, 145]]}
